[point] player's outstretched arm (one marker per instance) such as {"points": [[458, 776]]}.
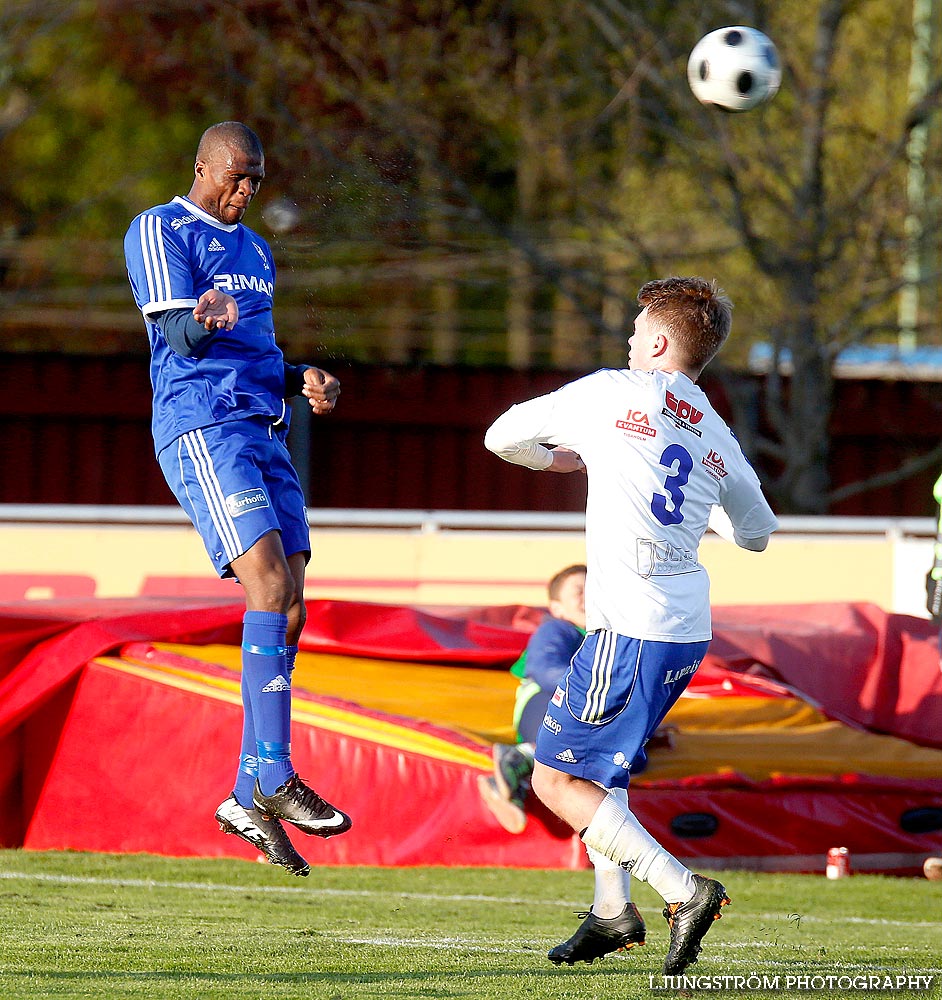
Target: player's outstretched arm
{"points": [[216, 310]]}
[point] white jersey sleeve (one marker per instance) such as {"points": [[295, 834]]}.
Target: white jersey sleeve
{"points": [[659, 459], [516, 435], [723, 526]]}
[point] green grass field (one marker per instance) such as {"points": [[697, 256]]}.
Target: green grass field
{"points": [[133, 926]]}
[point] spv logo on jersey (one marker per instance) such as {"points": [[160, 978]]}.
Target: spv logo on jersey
{"points": [[685, 415]]}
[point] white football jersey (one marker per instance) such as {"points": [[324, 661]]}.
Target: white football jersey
{"points": [[658, 459]]}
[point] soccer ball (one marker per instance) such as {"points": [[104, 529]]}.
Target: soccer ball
{"points": [[734, 68]]}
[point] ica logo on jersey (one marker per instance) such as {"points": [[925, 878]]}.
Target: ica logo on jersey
{"points": [[715, 465], [637, 422], [685, 415]]}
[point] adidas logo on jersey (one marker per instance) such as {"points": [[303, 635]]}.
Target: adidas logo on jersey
{"points": [[215, 246], [276, 684], [567, 756]]}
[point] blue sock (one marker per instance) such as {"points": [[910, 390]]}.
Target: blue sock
{"points": [[265, 671], [290, 656], [248, 753]]}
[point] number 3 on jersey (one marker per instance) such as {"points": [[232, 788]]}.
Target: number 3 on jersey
{"points": [[676, 459]]}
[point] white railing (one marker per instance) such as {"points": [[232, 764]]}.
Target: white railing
{"points": [[443, 520]]}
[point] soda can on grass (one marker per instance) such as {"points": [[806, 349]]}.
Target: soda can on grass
{"points": [[838, 863]]}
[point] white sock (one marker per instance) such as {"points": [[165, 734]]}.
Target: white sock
{"points": [[612, 882], [612, 885], [615, 832]]}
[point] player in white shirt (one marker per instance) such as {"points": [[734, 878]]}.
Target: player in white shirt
{"points": [[661, 466]]}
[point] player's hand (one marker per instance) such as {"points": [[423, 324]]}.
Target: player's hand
{"points": [[216, 310], [565, 460], [321, 389]]}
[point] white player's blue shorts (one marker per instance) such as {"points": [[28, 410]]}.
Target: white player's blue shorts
{"points": [[615, 695], [236, 483]]}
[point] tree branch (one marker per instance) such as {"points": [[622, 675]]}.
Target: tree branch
{"points": [[898, 475]]}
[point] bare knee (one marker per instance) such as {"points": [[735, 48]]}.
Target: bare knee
{"points": [[549, 785], [574, 800], [297, 609], [266, 576], [297, 616], [269, 591]]}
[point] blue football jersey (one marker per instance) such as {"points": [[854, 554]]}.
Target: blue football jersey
{"points": [[174, 253]]}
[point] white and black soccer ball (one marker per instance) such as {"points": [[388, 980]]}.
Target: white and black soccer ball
{"points": [[281, 215], [735, 68]]}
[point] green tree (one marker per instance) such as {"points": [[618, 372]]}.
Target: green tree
{"points": [[487, 181]]}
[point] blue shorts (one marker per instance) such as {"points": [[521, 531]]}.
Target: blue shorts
{"points": [[616, 694], [236, 483]]}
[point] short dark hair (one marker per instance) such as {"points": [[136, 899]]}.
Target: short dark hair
{"points": [[696, 312], [555, 585], [233, 134]]}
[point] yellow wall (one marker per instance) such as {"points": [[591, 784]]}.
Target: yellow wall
{"points": [[458, 567]]}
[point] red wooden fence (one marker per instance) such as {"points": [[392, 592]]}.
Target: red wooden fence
{"points": [[76, 429]]}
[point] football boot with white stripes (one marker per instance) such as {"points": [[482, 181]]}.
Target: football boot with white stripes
{"points": [[300, 805], [263, 832]]}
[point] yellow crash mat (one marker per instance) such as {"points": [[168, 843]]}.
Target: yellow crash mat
{"points": [[754, 736]]}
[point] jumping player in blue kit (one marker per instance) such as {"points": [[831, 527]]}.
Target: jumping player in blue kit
{"points": [[204, 284], [661, 466]]}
